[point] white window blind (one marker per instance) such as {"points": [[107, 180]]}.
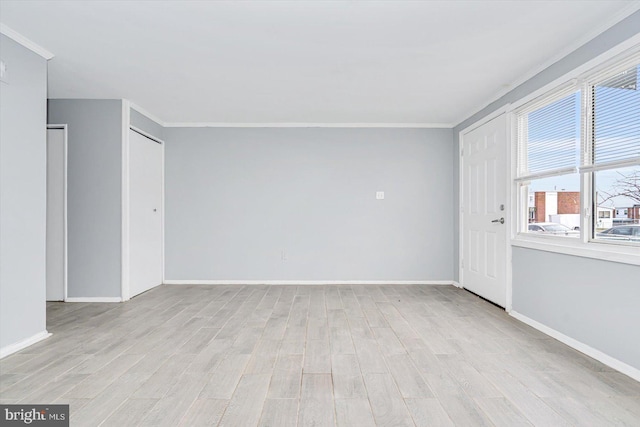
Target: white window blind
{"points": [[615, 121], [549, 138]]}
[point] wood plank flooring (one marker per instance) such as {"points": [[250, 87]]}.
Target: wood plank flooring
{"points": [[311, 356]]}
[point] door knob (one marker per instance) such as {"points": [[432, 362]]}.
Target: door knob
{"points": [[501, 220]]}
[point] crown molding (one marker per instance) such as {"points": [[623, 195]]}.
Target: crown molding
{"points": [[147, 114], [309, 125], [20, 39]]}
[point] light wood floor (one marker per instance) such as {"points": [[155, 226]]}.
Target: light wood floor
{"points": [[311, 356]]}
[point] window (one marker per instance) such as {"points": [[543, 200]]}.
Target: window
{"points": [[578, 159], [549, 151], [614, 103]]}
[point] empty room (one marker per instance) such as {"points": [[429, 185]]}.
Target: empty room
{"points": [[320, 213]]}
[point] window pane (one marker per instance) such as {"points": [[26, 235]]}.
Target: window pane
{"points": [[554, 206], [616, 117], [617, 197], [552, 136]]}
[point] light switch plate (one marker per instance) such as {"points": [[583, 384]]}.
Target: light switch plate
{"points": [[379, 195]]}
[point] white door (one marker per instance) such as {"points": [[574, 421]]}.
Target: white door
{"points": [[145, 213], [56, 224], [484, 210]]}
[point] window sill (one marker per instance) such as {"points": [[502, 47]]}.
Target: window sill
{"points": [[625, 254]]}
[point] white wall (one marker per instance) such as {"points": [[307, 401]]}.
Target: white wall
{"points": [[22, 195], [237, 199]]}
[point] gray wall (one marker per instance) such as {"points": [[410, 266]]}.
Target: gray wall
{"points": [[593, 301], [94, 193], [237, 198], [22, 194], [144, 123]]}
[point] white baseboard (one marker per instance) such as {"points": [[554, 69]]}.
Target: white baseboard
{"points": [[308, 282], [15, 347], [456, 284], [581, 347], [94, 299]]}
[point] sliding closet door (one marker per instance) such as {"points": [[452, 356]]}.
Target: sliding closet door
{"points": [[145, 210]]}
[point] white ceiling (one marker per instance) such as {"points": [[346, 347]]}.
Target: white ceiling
{"points": [[304, 61]]}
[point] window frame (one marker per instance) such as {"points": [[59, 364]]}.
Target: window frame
{"points": [[581, 79]]}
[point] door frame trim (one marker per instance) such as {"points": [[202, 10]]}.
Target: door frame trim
{"points": [[125, 288], [65, 233], [506, 111], [124, 228]]}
